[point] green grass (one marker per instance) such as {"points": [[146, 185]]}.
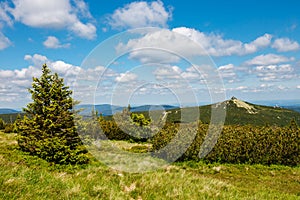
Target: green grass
{"points": [[26, 177]]}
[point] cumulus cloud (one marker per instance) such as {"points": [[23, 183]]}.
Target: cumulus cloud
{"points": [[216, 45], [53, 43], [268, 59], [169, 46], [162, 46], [274, 72], [228, 72], [15, 82], [126, 77], [168, 72], [58, 14], [140, 14], [285, 44], [36, 59]]}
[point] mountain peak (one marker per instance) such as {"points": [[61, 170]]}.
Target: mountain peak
{"points": [[242, 104]]}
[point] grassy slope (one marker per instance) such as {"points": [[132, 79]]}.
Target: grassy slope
{"points": [[26, 177]]}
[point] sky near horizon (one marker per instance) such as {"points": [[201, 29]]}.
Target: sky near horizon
{"points": [[252, 46]]}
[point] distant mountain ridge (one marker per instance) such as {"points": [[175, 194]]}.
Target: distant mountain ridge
{"points": [[107, 109], [8, 111], [295, 108]]}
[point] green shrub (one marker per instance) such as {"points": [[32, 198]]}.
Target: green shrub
{"points": [[122, 127], [9, 128], [236, 144], [2, 124]]}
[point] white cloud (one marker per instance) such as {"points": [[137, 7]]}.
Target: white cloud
{"points": [[275, 72], [285, 44], [53, 43], [6, 74], [191, 74], [228, 72], [167, 46], [215, 45], [4, 41], [268, 59], [82, 9], [126, 77], [281, 87], [84, 30], [140, 14], [17, 81], [59, 14], [239, 88], [4, 15], [260, 42], [168, 72], [37, 59], [65, 69], [163, 46], [4, 19]]}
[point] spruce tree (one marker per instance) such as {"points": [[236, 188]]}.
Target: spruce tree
{"points": [[2, 124], [48, 128]]}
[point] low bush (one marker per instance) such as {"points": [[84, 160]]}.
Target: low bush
{"points": [[2, 124], [236, 144], [9, 128]]}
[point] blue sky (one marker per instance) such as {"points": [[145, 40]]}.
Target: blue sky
{"points": [[254, 49]]}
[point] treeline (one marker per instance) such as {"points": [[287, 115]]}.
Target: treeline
{"points": [[10, 118]]}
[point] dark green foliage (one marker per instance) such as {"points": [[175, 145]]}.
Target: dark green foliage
{"points": [[9, 128], [238, 144], [2, 124], [139, 119], [123, 126], [48, 130]]}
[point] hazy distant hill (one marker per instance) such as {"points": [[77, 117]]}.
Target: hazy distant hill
{"points": [[8, 111], [240, 113], [104, 109], [107, 110], [295, 108], [152, 108]]}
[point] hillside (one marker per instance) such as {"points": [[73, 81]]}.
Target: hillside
{"points": [[240, 112], [8, 111]]}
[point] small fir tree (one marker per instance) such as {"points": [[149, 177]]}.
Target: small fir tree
{"points": [[2, 124], [48, 128]]}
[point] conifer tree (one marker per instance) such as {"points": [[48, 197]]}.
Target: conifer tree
{"points": [[48, 128], [2, 124]]}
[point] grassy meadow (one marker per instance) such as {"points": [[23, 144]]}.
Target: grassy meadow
{"points": [[26, 177]]}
